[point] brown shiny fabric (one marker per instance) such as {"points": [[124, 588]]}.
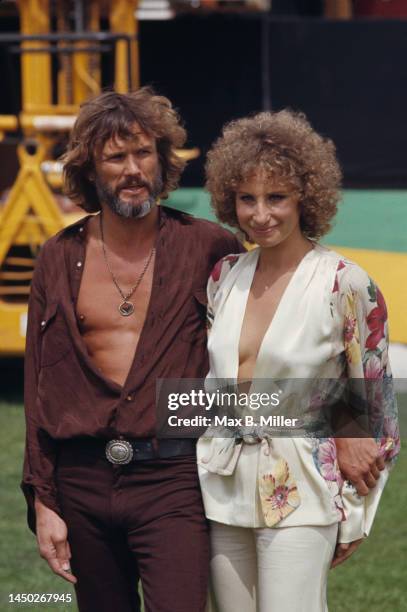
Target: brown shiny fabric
{"points": [[65, 394]]}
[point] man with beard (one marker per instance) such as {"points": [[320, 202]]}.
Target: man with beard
{"points": [[118, 301]]}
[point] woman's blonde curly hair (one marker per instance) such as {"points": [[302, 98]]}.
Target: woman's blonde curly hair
{"points": [[284, 146]]}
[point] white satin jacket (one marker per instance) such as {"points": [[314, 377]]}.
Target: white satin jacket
{"points": [[331, 323]]}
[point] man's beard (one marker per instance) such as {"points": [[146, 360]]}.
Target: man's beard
{"points": [[127, 209]]}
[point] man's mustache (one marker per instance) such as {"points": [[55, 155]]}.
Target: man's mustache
{"points": [[132, 184]]}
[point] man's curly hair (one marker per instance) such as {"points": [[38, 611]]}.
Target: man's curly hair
{"points": [[284, 146], [111, 114]]}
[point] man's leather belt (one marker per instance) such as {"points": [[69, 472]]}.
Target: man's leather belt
{"points": [[121, 452]]}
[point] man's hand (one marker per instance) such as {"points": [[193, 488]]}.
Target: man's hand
{"points": [[344, 551], [360, 462], [52, 541]]}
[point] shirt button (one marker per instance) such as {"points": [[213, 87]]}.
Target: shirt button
{"points": [[129, 398], [43, 323], [79, 264], [81, 229]]}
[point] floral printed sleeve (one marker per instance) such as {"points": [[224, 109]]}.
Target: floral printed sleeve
{"points": [[218, 274], [365, 337]]}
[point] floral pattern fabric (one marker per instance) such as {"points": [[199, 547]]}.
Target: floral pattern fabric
{"points": [[366, 348], [315, 334], [278, 493]]}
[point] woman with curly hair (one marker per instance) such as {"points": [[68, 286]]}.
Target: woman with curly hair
{"points": [[293, 312]]}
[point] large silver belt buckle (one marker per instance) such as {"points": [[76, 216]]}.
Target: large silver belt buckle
{"points": [[119, 452]]}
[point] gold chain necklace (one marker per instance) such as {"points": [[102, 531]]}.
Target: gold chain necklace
{"points": [[125, 307]]}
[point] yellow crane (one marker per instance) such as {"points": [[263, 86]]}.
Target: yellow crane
{"points": [[62, 44]]}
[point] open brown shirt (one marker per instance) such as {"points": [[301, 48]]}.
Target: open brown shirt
{"points": [[66, 395]]}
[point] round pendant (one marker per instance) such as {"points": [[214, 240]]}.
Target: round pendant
{"points": [[126, 308]]}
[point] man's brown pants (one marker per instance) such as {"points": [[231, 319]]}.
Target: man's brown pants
{"points": [[141, 520]]}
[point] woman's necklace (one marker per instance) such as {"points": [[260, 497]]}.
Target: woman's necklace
{"points": [[125, 307]]}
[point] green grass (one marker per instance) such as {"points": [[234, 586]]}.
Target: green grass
{"points": [[374, 580], [21, 569]]}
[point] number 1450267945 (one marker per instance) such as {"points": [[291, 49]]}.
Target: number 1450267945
{"points": [[40, 598]]}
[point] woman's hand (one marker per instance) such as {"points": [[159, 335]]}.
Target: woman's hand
{"points": [[344, 551]]}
